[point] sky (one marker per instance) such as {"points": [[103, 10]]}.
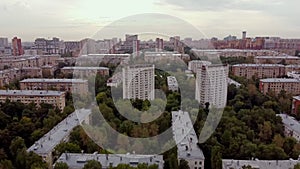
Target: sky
{"points": [[78, 19]]}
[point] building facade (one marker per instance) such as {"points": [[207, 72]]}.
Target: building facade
{"points": [[86, 71], [138, 82], [259, 164], [70, 85], [258, 70], [234, 52], [276, 85], [152, 57], [33, 72], [55, 98], [295, 105], [77, 161], [9, 75], [284, 59]]}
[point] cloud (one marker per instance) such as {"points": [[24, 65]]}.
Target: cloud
{"points": [[217, 5]]}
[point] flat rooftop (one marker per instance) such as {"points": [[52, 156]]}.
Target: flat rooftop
{"points": [[57, 134], [172, 80], [53, 81], [85, 68], [231, 81], [112, 55], [277, 57], [30, 93], [258, 65], [185, 136], [296, 98], [137, 66], [232, 50], [259, 164], [292, 66], [152, 54], [31, 68], [77, 160], [290, 122], [280, 80]]}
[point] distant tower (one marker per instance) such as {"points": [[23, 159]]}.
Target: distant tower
{"points": [[136, 47], [244, 35], [159, 45], [17, 47]]}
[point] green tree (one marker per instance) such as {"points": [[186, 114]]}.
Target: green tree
{"points": [[265, 133], [216, 158], [61, 165], [183, 164], [297, 166], [278, 140], [16, 145], [123, 166], [6, 164], [247, 167], [93, 164], [289, 144], [67, 147]]}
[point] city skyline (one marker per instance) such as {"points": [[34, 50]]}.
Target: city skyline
{"points": [[77, 20]]}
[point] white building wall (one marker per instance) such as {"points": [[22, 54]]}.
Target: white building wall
{"points": [[138, 82], [211, 85]]}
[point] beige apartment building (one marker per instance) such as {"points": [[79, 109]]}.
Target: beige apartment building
{"points": [[28, 61], [9, 75], [151, 57], [292, 68], [234, 52], [258, 70], [33, 72], [56, 98], [276, 85], [285, 59], [86, 71], [78, 85]]}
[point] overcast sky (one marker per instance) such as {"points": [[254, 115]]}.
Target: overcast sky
{"points": [[77, 19]]}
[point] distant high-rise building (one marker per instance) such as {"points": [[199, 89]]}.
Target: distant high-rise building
{"points": [[52, 46], [127, 46], [230, 38], [211, 85], [177, 44], [3, 42], [136, 47], [159, 45], [138, 82], [244, 35], [5, 49], [17, 47]]}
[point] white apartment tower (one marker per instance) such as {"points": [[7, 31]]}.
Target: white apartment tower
{"points": [[211, 85], [195, 64], [138, 82]]}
